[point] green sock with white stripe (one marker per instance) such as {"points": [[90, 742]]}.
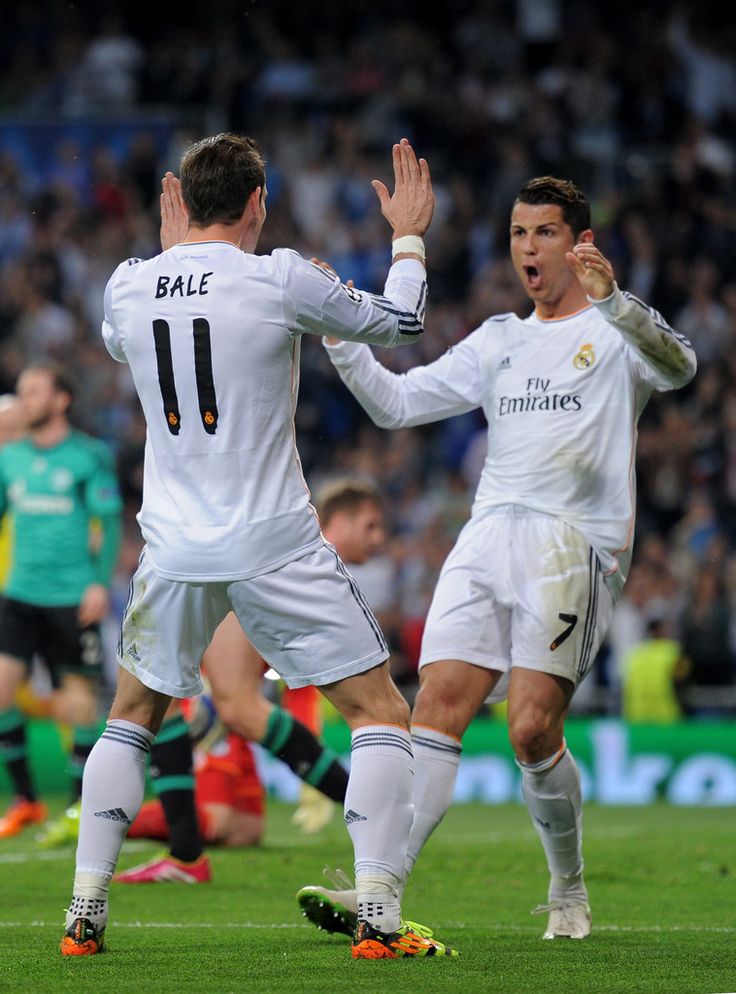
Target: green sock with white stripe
{"points": [[172, 778], [292, 742], [14, 752]]}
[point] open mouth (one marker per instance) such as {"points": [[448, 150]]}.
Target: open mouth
{"points": [[533, 276]]}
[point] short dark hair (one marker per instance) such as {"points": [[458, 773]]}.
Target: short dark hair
{"points": [[217, 175], [550, 190], [61, 379], [345, 495]]}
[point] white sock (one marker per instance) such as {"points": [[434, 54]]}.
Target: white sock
{"points": [[551, 790], [436, 759], [112, 793], [378, 814], [93, 909]]}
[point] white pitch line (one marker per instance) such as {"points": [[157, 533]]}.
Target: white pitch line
{"points": [[197, 925], [727, 929], [643, 929], [652, 929], [41, 855], [34, 857]]}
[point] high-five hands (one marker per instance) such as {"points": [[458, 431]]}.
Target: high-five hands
{"points": [[409, 209]]}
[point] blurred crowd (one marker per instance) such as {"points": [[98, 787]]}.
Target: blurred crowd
{"points": [[636, 103]]}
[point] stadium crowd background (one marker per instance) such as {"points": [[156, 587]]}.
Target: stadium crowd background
{"points": [[636, 103]]}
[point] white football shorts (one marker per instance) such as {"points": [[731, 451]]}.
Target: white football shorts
{"points": [[307, 619], [520, 588]]}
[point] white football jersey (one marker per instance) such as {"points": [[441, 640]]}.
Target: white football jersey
{"points": [[212, 337], [562, 399]]}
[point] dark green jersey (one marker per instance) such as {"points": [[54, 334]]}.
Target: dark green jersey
{"points": [[52, 495]]}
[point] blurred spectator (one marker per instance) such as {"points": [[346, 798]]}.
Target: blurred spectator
{"points": [[702, 46], [638, 105], [706, 631], [693, 537], [653, 674], [110, 67], [703, 318], [641, 600]]}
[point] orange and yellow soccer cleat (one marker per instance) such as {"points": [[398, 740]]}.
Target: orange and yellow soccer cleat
{"points": [[369, 943], [20, 814], [82, 938]]}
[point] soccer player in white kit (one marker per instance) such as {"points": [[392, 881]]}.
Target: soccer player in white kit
{"points": [[524, 598], [211, 333]]}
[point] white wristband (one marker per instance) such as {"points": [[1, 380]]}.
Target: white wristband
{"points": [[408, 243]]}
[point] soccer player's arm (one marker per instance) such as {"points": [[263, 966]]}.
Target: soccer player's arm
{"points": [[5, 533], [665, 350], [452, 384], [668, 357], [3, 493], [110, 334], [106, 557], [103, 503], [317, 303]]}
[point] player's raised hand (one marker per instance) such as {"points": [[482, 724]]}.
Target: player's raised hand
{"points": [[592, 269], [174, 217], [409, 210]]}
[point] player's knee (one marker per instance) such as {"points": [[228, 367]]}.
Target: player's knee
{"points": [[70, 710], [7, 696], [246, 830], [439, 694], [75, 703], [217, 824], [137, 703], [389, 710], [440, 703], [385, 708], [243, 716], [227, 711], [12, 675], [369, 698], [532, 737], [400, 710]]}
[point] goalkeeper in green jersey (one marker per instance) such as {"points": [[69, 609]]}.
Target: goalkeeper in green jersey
{"points": [[60, 489]]}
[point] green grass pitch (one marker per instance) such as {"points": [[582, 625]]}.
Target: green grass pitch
{"points": [[662, 883]]}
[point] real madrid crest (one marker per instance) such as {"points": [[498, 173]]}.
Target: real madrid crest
{"points": [[585, 357]]}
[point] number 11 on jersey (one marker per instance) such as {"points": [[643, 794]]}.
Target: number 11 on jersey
{"points": [[202, 370]]}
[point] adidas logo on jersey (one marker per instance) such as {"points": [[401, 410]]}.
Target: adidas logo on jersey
{"points": [[113, 814], [351, 816], [132, 651], [505, 363]]}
